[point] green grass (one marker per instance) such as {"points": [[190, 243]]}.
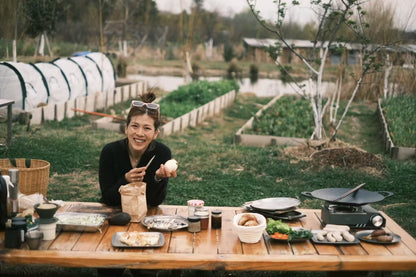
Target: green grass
{"points": [[212, 168]]}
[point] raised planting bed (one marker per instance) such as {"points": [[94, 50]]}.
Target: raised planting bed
{"points": [[246, 136], [221, 98], [396, 152]]}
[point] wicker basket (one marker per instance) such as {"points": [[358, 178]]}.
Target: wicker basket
{"points": [[33, 174]]}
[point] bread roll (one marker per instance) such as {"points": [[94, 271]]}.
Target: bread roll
{"points": [[246, 217], [251, 222]]}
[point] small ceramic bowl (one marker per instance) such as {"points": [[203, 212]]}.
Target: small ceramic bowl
{"points": [[33, 239], [46, 210]]}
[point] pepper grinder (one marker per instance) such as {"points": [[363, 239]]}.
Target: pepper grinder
{"points": [[14, 191]]}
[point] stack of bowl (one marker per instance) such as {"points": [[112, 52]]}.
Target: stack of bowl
{"points": [[47, 221]]}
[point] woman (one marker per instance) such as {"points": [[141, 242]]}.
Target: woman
{"points": [[124, 161]]}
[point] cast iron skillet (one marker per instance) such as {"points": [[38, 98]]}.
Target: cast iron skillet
{"points": [[359, 197]]}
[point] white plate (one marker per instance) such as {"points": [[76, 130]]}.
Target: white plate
{"points": [[275, 204]]}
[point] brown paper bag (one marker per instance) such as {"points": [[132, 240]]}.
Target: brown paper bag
{"points": [[133, 200]]}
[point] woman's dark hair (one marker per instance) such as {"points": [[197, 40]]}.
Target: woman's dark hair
{"points": [[147, 97]]}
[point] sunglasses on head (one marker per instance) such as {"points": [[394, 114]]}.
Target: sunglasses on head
{"points": [[149, 106]]}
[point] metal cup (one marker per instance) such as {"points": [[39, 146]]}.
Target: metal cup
{"points": [[33, 239]]}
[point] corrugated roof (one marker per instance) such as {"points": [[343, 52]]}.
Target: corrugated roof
{"points": [[298, 43]]}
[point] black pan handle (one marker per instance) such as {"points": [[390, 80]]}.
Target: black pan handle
{"points": [[388, 193], [307, 194]]}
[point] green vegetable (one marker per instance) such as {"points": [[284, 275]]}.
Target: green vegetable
{"points": [[274, 226], [300, 234]]}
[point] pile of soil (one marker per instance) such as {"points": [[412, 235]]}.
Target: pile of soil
{"points": [[336, 154]]}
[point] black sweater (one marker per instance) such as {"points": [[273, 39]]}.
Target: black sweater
{"points": [[115, 163]]}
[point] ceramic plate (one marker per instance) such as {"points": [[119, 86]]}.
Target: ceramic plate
{"points": [[149, 239], [165, 222], [362, 234], [275, 204], [285, 240]]}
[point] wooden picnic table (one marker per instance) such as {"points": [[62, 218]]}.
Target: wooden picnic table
{"points": [[213, 249]]}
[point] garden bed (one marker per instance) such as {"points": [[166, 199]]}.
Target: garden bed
{"points": [[183, 102], [396, 152], [264, 140]]}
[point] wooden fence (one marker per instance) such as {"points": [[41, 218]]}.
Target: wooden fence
{"points": [[89, 103]]}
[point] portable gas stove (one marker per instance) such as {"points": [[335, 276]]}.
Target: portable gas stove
{"points": [[363, 216], [344, 206]]}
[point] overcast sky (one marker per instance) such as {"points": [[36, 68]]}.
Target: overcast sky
{"points": [[405, 10]]}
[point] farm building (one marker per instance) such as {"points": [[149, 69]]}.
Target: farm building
{"points": [[255, 52]]}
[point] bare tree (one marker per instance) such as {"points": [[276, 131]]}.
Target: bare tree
{"points": [[336, 17]]}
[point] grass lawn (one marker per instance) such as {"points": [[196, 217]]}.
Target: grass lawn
{"points": [[213, 168]]}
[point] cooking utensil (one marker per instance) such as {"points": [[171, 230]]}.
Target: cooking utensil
{"points": [[349, 192], [150, 161], [275, 204], [361, 197]]}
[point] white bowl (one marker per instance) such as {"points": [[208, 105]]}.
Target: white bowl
{"points": [[249, 234]]}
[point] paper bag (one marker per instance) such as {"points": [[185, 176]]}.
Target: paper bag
{"points": [[133, 200]]}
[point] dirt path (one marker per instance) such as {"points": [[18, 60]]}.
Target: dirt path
{"points": [[362, 128]]}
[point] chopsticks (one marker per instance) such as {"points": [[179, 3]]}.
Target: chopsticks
{"points": [[349, 192], [150, 161]]}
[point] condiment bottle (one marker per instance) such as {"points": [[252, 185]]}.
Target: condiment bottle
{"points": [[15, 234], [192, 204], [203, 214], [216, 219], [194, 225]]}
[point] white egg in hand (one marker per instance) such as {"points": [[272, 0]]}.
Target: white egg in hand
{"points": [[172, 165]]}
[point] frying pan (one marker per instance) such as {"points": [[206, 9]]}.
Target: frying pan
{"points": [[359, 197]]}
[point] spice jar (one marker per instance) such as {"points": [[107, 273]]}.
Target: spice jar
{"points": [[192, 204], [216, 219], [203, 214], [194, 225]]}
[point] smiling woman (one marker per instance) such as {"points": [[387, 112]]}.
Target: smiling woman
{"points": [[138, 157]]}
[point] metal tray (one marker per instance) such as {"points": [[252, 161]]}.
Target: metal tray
{"points": [[115, 241], [165, 222], [80, 222], [343, 242]]}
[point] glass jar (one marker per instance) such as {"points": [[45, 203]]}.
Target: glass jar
{"points": [[192, 204], [194, 225], [216, 219], [203, 214]]}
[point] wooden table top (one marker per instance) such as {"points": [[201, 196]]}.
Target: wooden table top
{"points": [[214, 249]]}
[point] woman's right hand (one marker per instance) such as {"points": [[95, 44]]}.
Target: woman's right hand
{"points": [[135, 175]]}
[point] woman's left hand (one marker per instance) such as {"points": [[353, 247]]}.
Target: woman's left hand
{"points": [[163, 172]]}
